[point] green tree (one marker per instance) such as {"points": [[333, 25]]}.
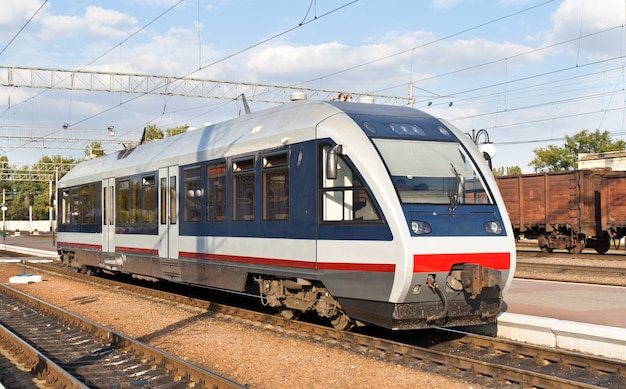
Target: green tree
{"points": [[176, 130], [554, 158], [152, 133], [508, 171], [94, 149], [30, 185]]}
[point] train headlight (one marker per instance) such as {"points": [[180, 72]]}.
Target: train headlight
{"points": [[492, 227], [420, 227]]}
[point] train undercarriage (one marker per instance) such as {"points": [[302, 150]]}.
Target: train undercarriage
{"points": [[565, 238], [478, 298], [293, 297]]}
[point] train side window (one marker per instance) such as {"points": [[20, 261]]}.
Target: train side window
{"points": [[105, 210], [243, 189], [66, 207], [173, 208], [193, 194], [216, 192], [163, 186], [148, 199], [91, 205], [276, 187], [84, 204], [135, 201], [75, 207], [123, 201], [346, 198]]}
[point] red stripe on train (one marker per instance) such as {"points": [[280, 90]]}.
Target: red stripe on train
{"points": [[136, 250], [338, 266], [80, 245], [443, 262]]}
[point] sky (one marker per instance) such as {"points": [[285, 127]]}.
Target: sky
{"points": [[528, 72]]}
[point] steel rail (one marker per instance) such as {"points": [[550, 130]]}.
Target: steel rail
{"points": [[543, 372], [172, 365], [36, 363]]}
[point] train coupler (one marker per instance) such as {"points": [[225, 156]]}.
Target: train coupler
{"points": [[473, 278]]}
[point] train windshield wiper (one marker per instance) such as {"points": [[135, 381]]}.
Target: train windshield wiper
{"points": [[454, 197]]}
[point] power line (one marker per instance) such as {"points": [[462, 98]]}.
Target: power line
{"points": [[101, 55], [23, 27], [301, 24], [428, 43]]}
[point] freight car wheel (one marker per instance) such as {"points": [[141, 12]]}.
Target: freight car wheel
{"points": [[543, 244], [603, 246], [576, 249]]}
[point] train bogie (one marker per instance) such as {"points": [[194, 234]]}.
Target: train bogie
{"points": [[359, 212]]}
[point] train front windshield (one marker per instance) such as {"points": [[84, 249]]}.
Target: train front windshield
{"points": [[432, 172]]}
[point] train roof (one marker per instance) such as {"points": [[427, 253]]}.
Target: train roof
{"points": [[262, 130]]}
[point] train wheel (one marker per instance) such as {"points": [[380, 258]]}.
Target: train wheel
{"points": [[542, 242], [603, 246], [576, 249], [290, 314], [342, 322]]}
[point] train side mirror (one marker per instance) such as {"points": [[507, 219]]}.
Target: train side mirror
{"points": [[332, 161]]}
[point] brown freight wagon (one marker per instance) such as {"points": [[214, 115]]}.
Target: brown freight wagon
{"points": [[568, 210]]}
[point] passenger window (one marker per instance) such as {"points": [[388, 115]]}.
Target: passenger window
{"points": [[148, 200], [345, 198], [193, 194], [66, 207], [173, 208], [276, 187], [163, 186], [216, 192], [123, 201], [243, 189]]}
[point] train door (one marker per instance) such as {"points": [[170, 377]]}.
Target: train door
{"points": [[108, 215], [168, 212]]}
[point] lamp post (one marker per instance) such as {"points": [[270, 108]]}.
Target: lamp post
{"points": [[481, 140]]}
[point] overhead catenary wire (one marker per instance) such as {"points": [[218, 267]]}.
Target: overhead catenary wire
{"points": [[23, 27], [465, 93], [104, 53], [222, 59]]}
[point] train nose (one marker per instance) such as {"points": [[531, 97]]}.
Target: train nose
{"points": [[473, 278]]}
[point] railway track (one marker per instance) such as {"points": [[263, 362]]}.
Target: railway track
{"points": [[546, 269], [62, 350], [23, 367], [485, 360], [590, 269]]}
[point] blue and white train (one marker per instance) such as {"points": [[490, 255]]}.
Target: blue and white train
{"points": [[363, 213]]}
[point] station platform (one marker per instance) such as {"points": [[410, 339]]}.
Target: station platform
{"points": [[593, 304], [579, 317]]}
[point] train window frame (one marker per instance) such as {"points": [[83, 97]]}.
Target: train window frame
{"points": [[275, 181], [345, 199], [66, 206], [173, 208], [80, 208], [163, 202], [123, 201], [136, 206], [135, 202], [193, 192], [243, 189], [148, 199], [216, 191]]}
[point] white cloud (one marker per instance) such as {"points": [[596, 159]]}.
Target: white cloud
{"points": [[16, 13], [96, 22], [445, 4], [576, 18]]}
